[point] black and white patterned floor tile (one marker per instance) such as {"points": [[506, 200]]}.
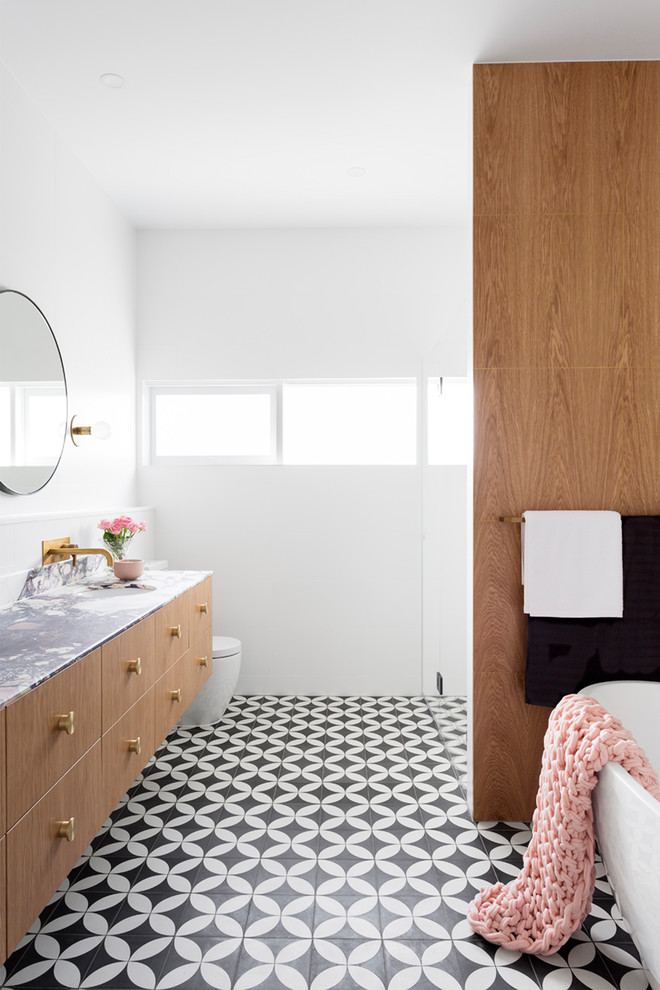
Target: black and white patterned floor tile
{"points": [[305, 843]]}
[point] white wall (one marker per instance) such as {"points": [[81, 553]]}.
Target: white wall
{"points": [[65, 245], [318, 570]]}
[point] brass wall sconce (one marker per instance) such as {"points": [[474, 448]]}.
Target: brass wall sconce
{"points": [[100, 431]]}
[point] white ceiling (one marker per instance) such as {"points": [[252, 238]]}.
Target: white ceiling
{"points": [[250, 112]]}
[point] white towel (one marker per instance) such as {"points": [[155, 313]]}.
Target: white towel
{"points": [[572, 564]]}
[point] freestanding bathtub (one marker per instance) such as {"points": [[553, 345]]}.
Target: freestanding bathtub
{"points": [[627, 818]]}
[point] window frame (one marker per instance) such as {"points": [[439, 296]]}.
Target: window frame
{"points": [[271, 389], [274, 388]]}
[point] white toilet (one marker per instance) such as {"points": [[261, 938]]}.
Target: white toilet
{"points": [[208, 706]]}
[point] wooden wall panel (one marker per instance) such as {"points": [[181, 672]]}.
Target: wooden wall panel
{"points": [[548, 291], [547, 439], [566, 352], [641, 161], [641, 489], [549, 138], [641, 303], [506, 725], [500, 628]]}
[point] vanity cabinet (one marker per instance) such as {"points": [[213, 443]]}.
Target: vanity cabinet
{"points": [[48, 841], [48, 730], [129, 669], [127, 747], [76, 743]]}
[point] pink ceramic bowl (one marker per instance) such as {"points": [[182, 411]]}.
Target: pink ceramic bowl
{"points": [[128, 570]]}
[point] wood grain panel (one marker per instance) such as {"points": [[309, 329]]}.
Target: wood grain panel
{"points": [[641, 290], [548, 291], [37, 860], [3, 771], [38, 753], [198, 671], [641, 156], [508, 745], [3, 897], [641, 490], [548, 138], [547, 439], [500, 627], [167, 710], [121, 765], [122, 687], [200, 603], [169, 647]]}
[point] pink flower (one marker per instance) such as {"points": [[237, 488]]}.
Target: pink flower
{"points": [[105, 524], [116, 526], [134, 528], [143, 526], [125, 520]]}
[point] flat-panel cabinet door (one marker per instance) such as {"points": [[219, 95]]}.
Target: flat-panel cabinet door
{"points": [[199, 663], [172, 623], [126, 748], [129, 669], [49, 729], [47, 842], [200, 602]]}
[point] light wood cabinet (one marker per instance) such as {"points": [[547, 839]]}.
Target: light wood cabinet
{"points": [[171, 697], [129, 669], [49, 729], [172, 632], [126, 748], [200, 609], [71, 748], [199, 663], [47, 842], [3, 896]]}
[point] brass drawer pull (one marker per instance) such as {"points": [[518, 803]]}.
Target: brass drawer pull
{"points": [[204, 607], [203, 661], [135, 666], [67, 830], [135, 745], [176, 695], [175, 631], [67, 723]]}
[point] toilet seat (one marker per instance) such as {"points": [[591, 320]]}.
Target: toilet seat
{"points": [[225, 646]]}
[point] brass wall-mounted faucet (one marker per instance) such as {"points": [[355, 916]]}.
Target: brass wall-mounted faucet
{"points": [[53, 551]]}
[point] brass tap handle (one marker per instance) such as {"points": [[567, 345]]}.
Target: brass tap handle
{"points": [[203, 607], [135, 666], [67, 723], [67, 830], [175, 631], [135, 745], [203, 661], [176, 695]]}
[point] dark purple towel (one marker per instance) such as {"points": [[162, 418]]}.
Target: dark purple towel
{"points": [[564, 655]]}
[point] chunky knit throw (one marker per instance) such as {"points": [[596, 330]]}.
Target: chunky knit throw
{"points": [[539, 911]]}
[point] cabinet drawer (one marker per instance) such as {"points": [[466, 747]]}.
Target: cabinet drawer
{"points": [[171, 698], [44, 739], [172, 623], [119, 747], [38, 859], [3, 772], [199, 663], [128, 669], [200, 602], [3, 897]]}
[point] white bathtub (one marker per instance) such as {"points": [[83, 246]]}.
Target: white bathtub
{"points": [[627, 818]]}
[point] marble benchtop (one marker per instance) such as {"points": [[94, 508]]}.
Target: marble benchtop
{"points": [[41, 635]]}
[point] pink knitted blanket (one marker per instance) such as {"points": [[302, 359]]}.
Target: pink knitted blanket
{"points": [[539, 911]]}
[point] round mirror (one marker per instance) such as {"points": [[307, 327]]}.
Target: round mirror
{"points": [[33, 403]]}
